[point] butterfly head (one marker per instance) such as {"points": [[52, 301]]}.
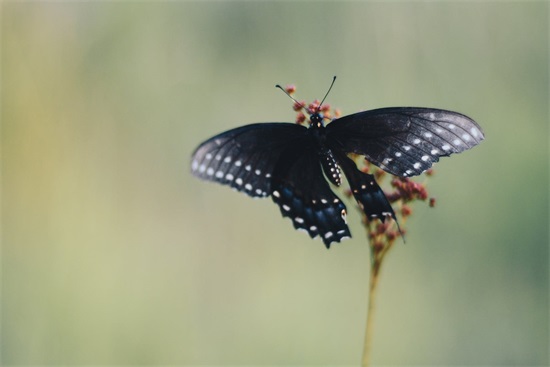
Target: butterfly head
{"points": [[316, 120], [316, 109]]}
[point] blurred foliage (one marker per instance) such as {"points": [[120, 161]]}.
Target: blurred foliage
{"points": [[113, 254]]}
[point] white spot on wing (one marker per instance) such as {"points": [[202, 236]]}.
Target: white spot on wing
{"points": [[428, 135], [446, 147], [208, 156], [425, 157], [398, 154], [299, 220], [210, 171], [248, 186], [286, 208], [417, 165], [195, 165], [328, 235], [219, 174], [227, 159], [276, 194], [239, 181], [229, 177], [416, 141]]}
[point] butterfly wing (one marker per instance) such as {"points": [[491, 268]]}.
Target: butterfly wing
{"points": [[405, 141], [303, 194], [244, 158], [367, 193]]}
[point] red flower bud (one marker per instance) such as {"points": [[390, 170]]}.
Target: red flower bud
{"points": [[290, 88], [300, 118], [298, 106], [391, 235]]}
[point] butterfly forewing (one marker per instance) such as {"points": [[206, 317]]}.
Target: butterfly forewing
{"points": [[244, 158], [303, 194], [405, 141]]}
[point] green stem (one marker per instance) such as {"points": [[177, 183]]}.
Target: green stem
{"points": [[375, 270]]}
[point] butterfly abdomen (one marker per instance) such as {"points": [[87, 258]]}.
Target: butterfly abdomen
{"points": [[330, 167]]}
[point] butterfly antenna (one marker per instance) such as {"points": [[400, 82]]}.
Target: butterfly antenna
{"points": [[285, 92], [328, 91]]}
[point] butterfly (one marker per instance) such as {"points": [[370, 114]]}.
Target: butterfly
{"points": [[295, 165]]}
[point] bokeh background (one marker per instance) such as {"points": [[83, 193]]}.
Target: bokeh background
{"points": [[113, 254]]}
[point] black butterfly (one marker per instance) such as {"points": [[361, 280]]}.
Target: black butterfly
{"points": [[291, 163]]}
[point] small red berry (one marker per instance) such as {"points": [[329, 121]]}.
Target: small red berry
{"points": [[325, 107], [300, 118], [406, 211], [298, 106]]}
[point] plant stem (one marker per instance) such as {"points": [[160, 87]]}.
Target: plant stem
{"points": [[375, 270]]}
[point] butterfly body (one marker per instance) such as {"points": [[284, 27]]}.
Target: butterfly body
{"points": [[292, 163]]}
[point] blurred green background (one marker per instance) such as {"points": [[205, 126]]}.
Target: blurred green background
{"points": [[113, 254]]}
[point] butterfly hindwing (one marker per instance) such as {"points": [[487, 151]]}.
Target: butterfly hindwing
{"points": [[405, 141], [367, 193], [303, 194], [244, 158]]}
